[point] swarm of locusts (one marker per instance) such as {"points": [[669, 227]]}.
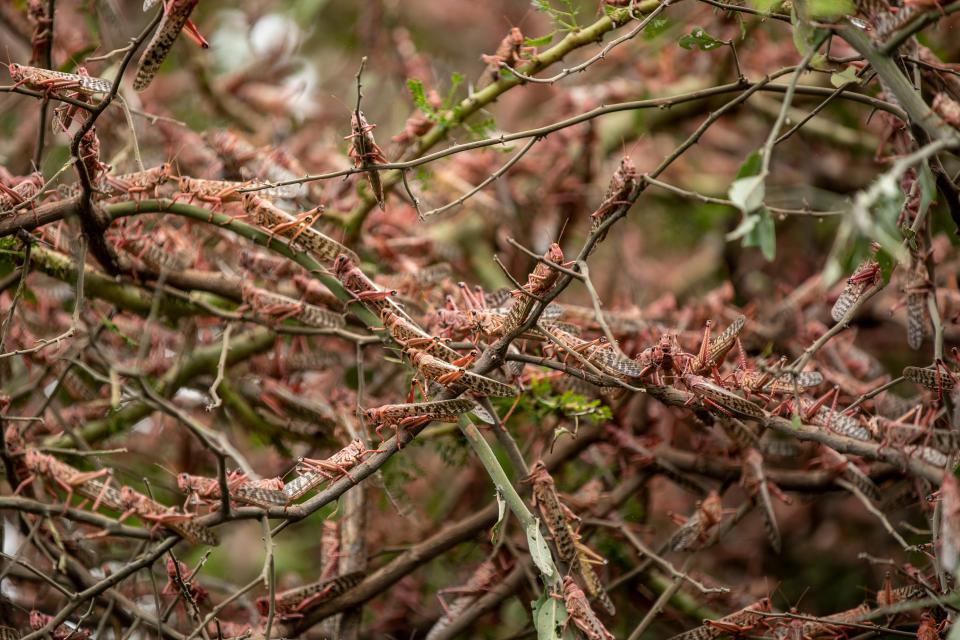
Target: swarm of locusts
{"points": [[214, 351]]}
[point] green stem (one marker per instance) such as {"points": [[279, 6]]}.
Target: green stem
{"points": [[898, 84], [499, 477]]}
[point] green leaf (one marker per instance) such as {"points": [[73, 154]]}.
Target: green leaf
{"points": [[795, 421], [751, 166], [887, 263], [700, 39], [747, 193], [845, 77], [419, 96], [765, 6], [763, 235], [655, 28], [829, 9], [549, 617], [746, 226], [539, 551], [502, 510], [805, 35], [538, 42]]}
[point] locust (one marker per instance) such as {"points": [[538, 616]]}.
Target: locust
{"points": [[89, 485], [622, 184], [602, 356], [246, 161], [698, 528], [272, 304], [716, 397], [539, 282], [213, 192], [366, 152], [296, 229], [852, 474], [218, 192], [754, 479], [49, 81], [664, 357], [452, 375], [40, 620], [175, 16], [363, 288], [158, 250], [132, 502], [295, 602], [479, 581], [783, 383], [712, 352], [939, 378], [140, 182], [23, 191], [414, 414], [739, 622], [239, 485], [38, 14], [65, 476], [816, 412], [509, 53], [580, 613], [866, 275], [313, 473], [823, 628], [917, 288], [419, 280], [558, 517], [406, 332]]}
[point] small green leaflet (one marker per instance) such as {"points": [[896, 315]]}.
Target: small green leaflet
{"points": [[747, 193], [829, 9], [763, 234], [538, 42], [805, 35], [887, 263], [539, 551], [751, 166], [655, 28], [765, 6], [549, 617], [420, 98], [845, 77], [700, 39]]}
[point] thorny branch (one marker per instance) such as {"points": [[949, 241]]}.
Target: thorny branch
{"points": [[287, 325]]}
